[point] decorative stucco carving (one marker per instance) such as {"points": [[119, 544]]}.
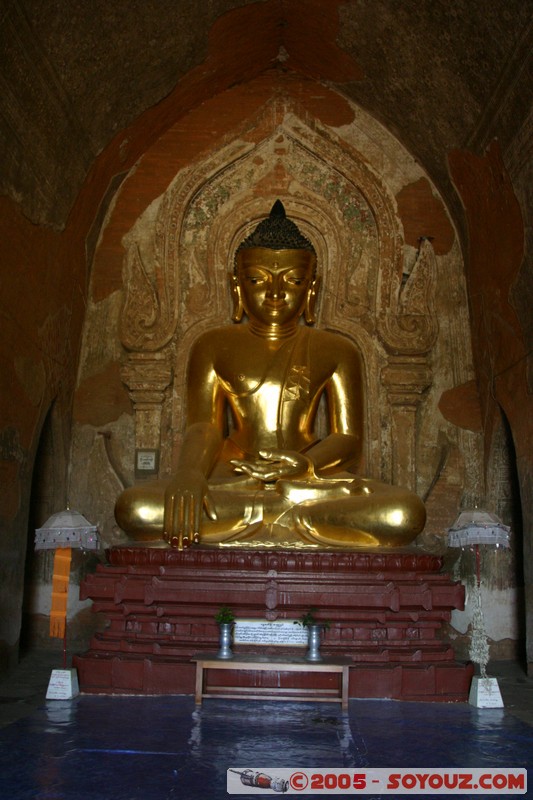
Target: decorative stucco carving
{"points": [[147, 376], [141, 314], [406, 378], [409, 323]]}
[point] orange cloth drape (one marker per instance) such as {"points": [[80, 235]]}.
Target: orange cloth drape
{"points": [[60, 582]]}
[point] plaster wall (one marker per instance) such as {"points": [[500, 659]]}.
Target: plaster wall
{"points": [[43, 277], [499, 261]]}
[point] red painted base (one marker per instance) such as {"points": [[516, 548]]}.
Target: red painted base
{"points": [[386, 610]]}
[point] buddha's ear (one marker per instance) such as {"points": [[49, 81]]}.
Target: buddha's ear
{"points": [[236, 296], [310, 302]]}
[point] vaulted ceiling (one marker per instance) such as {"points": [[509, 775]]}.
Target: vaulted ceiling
{"points": [[440, 75]]}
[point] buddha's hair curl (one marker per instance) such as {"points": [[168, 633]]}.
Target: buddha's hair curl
{"points": [[276, 232]]}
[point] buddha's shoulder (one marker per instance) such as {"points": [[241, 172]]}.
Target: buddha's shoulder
{"points": [[318, 337], [335, 350], [216, 336], [335, 342]]}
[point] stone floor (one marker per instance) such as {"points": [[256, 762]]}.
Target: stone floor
{"points": [[161, 748]]}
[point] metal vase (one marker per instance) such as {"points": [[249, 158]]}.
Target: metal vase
{"points": [[226, 634], [313, 640]]}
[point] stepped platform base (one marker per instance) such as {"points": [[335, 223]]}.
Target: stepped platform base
{"points": [[387, 613]]}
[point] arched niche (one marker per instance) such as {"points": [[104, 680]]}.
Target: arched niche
{"points": [[179, 256]]}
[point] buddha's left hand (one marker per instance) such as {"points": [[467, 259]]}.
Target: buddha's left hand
{"points": [[275, 465]]}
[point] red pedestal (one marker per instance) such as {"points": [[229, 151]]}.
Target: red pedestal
{"points": [[386, 609]]}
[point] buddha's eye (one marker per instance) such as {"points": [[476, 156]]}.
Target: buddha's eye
{"points": [[294, 280]]}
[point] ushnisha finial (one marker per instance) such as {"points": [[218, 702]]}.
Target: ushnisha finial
{"points": [[277, 232]]}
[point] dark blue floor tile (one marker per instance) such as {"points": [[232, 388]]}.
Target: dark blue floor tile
{"points": [[161, 748]]}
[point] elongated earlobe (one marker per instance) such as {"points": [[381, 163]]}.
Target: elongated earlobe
{"points": [[238, 308], [310, 303]]}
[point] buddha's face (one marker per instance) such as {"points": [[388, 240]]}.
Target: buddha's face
{"points": [[274, 285]]}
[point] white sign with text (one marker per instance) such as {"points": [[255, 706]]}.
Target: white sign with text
{"points": [[263, 631]]}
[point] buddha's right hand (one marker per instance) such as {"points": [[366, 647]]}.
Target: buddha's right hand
{"points": [[185, 498]]}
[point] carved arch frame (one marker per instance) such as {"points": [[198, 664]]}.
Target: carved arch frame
{"points": [[341, 204]]}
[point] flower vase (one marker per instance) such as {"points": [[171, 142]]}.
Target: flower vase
{"points": [[313, 640], [226, 634]]}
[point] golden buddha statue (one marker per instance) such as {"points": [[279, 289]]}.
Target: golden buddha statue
{"points": [[269, 482]]}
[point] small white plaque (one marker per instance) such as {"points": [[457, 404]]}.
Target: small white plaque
{"points": [[146, 463], [263, 631], [63, 685], [485, 693], [146, 459]]}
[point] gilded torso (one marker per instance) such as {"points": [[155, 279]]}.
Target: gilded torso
{"points": [[272, 388]]}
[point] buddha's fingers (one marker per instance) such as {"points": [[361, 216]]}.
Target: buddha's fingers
{"points": [[209, 508], [194, 513], [288, 463], [183, 521], [168, 518]]}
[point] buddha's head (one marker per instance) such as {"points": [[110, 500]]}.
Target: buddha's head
{"points": [[274, 280]]}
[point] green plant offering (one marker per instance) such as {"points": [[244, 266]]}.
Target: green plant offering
{"points": [[308, 618], [224, 616]]}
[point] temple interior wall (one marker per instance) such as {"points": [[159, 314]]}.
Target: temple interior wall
{"points": [[436, 407]]}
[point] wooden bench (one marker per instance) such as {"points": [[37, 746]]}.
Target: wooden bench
{"points": [[251, 662]]}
